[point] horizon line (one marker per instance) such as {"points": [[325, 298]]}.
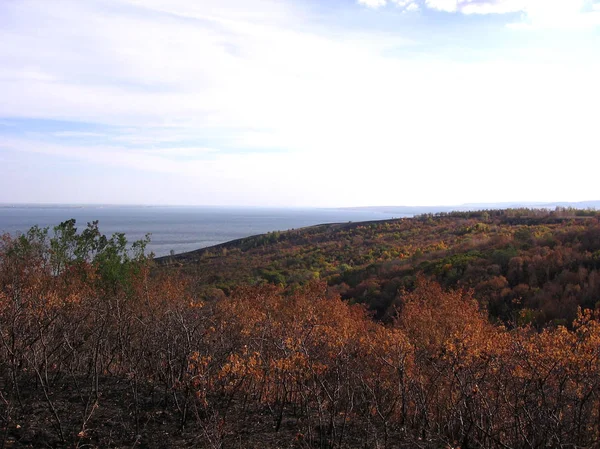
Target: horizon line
{"points": [[421, 206]]}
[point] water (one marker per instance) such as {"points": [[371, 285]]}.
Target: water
{"points": [[179, 229]]}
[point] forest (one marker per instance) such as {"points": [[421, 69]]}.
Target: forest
{"points": [[458, 330], [525, 266]]}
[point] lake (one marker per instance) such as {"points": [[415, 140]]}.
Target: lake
{"points": [[178, 228]]}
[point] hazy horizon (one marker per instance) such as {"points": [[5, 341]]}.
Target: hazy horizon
{"points": [[254, 206]]}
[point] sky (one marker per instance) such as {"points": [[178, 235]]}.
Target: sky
{"points": [[304, 103]]}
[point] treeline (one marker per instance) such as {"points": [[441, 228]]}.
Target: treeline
{"points": [[98, 349]]}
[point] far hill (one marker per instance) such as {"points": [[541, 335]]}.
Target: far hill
{"points": [[524, 265], [418, 210]]}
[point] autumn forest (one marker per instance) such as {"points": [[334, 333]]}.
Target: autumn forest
{"points": [[455, 330]]}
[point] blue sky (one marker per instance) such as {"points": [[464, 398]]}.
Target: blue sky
{"points": [[299, 103]]}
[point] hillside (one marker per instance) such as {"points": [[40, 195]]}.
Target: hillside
{"points": [[524, 265], [103, 347]]}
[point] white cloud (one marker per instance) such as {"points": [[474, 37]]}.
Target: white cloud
{"points": [[443, 5], [193, 97], [373, 3], [415, 130], [407, 5], [560, 14], [412, 7], [536, 13], [187, 152], [77, 134]]}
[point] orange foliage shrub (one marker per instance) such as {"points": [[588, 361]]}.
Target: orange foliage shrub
{"points": [[441, 374]]}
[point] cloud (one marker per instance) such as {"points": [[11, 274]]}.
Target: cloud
{"points": [[228, 100], [406, 5], [443, 5], [185, 152], [536, 13], [373, 3], [77, 134], [416, 129], [183, 161], [572, 14]]}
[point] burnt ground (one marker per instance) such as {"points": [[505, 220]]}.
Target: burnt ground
{"points": [[71, 417]]}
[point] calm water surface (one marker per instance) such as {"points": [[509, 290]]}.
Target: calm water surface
{"points": [[179, 229]]}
